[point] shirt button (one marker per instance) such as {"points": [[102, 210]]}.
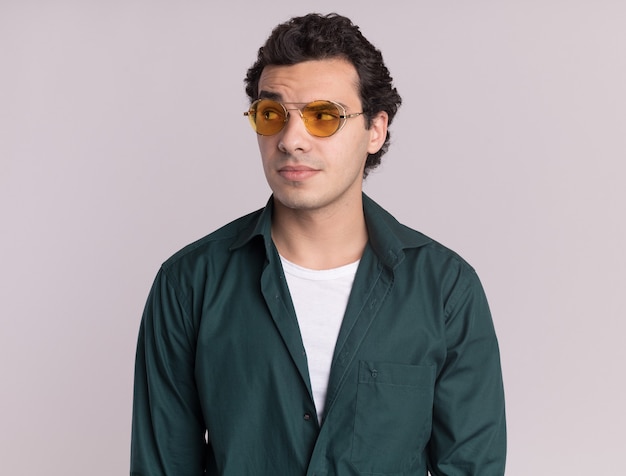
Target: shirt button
{"points": [[307, 416]]}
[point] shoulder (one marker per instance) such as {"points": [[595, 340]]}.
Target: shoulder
{"points": [[437, 253], [214, 246], [423, 261], [437, 274], [406, 244]]}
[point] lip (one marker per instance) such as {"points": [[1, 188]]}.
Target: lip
{"points": [[296, 173]]}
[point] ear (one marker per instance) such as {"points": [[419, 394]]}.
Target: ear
{"points": [[378, 132]]}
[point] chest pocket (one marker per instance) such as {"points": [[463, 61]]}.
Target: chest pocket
{"points": [[393, 417]]}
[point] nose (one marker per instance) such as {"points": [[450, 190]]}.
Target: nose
{"points": [[294, 136]]}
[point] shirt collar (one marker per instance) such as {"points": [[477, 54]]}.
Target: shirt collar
{"points": [[387, 237], [259, 224]]}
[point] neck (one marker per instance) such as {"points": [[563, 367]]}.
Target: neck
{"points": [[320, 239]]}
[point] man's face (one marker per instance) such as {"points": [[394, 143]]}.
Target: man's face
{"points": [[317, 173]]}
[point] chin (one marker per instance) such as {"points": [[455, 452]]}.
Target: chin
{"points": [[297, 201], [296, 204]]}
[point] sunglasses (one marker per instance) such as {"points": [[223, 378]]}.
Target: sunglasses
{"points": [[321, 118]]}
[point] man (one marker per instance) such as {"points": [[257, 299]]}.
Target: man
{"points": [[318, 336]]}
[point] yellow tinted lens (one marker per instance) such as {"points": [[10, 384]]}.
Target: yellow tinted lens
{"points": [[322, 118], [267, 117]]}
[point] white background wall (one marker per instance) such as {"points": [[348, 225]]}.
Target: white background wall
{"points": [[122, 139]]}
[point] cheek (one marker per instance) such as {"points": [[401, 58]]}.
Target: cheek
{"points": [[356, 147], [261, 142], [266, 147]]}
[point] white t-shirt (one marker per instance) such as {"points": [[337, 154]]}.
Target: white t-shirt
{"points": [[320, 298]]}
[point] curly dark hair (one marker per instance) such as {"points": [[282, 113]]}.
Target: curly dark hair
{"points": [[317, 37]]}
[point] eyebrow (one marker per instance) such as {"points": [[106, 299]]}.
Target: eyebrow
{"points": [[278, 97], [270, 95]]}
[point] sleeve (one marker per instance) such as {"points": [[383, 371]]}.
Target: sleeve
{"points": [[168, 431], [469, 430]]}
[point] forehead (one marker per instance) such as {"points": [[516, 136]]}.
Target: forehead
{"points": [[335, 79]]}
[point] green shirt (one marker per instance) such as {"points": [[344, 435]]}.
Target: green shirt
{"points": [[221, 378]]}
